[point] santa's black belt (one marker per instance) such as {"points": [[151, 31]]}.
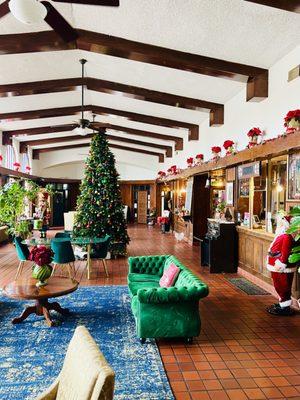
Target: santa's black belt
{"points": [[275, 254]]}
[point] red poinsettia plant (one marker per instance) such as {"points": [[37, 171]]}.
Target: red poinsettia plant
{"points": [[216, 149], [227, 144], [199, 156], [161, 174], [190, 161], [41, 255], [294, 114], [17, 166], [28, 169], [254, 132]]}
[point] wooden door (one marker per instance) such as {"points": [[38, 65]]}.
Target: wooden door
{"points": [[142, 206], [200, 206]]}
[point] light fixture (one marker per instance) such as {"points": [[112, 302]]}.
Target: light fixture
{"points": [[28, 11], [207, 183], [80, 130]]}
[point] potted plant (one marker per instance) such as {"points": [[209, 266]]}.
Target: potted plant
{"points": [[216, 150], [253, 135], [190, 162], [42, 256], [229, 147], [292, 121], [13, 198], [199, 159]]}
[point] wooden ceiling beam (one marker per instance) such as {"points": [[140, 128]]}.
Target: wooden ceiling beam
{"points": [[148, 119], [7, 135], [100, 85], [37, 152], [287, 5], [41, 142], [128, 49]]}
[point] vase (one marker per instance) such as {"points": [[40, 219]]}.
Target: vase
{"points": [[42, 273], [216, 156], [294, 124]]}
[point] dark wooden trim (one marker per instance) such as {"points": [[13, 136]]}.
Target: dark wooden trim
{"points": [[37, 152], [41, 142], [99, 85], [21, 175], [147, 53], [257, 87], [99, 110], [275, 147], [288, 5], [7, 135], [128, 49]]}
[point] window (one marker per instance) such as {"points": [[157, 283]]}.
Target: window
{"points": [[24, 162], [10, 157]]}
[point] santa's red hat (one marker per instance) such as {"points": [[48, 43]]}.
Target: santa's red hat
{"points": [[288, 218]]}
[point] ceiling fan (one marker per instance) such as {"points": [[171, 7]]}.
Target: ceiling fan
{"points": [[34, 11], [83, 124]]}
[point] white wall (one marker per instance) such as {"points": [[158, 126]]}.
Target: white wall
{"points": [[70, 164], [241, 116]]}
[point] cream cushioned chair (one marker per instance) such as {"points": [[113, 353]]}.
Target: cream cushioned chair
{"points": [[85, 374]]}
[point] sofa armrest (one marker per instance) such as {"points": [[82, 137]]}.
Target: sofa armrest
{"points": [[147, 264], [172, 294]]}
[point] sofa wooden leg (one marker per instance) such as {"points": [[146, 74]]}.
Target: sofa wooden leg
{"points": [[142, 340]]}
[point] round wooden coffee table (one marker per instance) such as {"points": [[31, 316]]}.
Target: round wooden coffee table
{"points": [[25, 289]]}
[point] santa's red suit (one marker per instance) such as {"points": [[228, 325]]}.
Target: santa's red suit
{"points": [[281, 270]]}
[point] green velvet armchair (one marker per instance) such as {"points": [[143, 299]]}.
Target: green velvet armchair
{"points": [[164, 312]]}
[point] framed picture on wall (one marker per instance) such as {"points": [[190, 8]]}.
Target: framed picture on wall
{"points": [[229, 193], [294, 176]]}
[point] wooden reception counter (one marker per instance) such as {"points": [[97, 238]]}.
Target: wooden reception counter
{"points": [[253, 250]]}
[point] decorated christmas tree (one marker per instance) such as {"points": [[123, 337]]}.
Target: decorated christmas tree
{"points": [[99, 205]]}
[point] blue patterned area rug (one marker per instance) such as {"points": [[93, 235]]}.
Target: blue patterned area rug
{"points": [[31, 354]]}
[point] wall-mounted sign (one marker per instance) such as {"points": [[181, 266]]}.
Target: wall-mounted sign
{"points": [[250, 170]]}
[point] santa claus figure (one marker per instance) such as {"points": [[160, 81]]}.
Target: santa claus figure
{"points": [[281, 270]]}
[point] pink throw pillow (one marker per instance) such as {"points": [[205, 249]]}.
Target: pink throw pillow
{"points": [[169, 276]]}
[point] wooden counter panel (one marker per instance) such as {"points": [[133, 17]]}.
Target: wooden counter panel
{"points": [[253, 249]]}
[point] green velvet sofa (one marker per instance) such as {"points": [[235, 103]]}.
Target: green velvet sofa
{"points": [[164, 312]]}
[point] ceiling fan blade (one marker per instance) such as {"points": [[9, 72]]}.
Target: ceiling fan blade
{"points": [[59, 24], [4, 9], [110, 3]]}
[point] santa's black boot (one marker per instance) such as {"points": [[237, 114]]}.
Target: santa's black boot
{"points": [[283, 311]]}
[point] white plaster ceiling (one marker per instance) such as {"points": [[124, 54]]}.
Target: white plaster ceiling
{"points": [[233, 30]]}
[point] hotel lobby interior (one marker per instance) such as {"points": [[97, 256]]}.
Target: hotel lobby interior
{"points": [[149, 199]]}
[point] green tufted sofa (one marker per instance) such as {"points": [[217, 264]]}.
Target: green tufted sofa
{"points": [[164, 312]]}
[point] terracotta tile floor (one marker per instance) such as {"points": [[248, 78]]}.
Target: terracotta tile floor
{"points": [[242, 352]]}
